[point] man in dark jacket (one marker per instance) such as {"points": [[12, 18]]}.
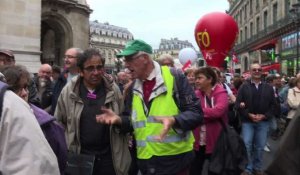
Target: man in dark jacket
{"points": [[44, 86], [256, 103], [161, 113], [71, 70]]}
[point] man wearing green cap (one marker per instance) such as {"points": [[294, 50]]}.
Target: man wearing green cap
{"points": [[161, 109]]}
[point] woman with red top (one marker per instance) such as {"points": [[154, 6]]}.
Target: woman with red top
{"points": [[214, 102]]}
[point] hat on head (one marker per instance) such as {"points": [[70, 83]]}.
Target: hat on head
{"points": [[7, 53], [134, 46]]}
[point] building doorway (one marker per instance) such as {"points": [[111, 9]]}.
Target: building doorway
{"points": [[56, 37]]}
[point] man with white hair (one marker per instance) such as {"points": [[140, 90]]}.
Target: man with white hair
{"points": [[166, 60]]}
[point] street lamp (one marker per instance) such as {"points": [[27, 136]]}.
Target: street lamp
{"points": [[295, 11]]}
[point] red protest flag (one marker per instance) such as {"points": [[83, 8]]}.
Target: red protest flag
{"points": [[235, 59], [188, 64]]}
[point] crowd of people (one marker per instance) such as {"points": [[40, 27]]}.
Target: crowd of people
{"points": [[150, 118]]}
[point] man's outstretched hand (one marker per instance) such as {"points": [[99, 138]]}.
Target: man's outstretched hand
{"points": [[108, 117], [167, 122]]}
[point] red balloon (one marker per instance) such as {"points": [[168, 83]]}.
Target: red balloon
{"points": [[215, 34]]}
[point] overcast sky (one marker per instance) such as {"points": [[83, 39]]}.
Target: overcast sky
{"points": [[153, 20]]}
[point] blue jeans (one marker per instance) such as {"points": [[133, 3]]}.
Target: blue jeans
{"points": [[255, 138]]}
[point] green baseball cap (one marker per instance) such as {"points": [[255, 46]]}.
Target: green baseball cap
{"points": [[134, 46]]}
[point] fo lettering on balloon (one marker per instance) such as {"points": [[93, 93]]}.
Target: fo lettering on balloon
{"points": [[203, 39]]}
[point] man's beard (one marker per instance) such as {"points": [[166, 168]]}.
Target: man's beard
{"points": [[42, 82]]}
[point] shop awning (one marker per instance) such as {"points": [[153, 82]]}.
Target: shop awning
{"points": [[272, 67], [266, 45]]}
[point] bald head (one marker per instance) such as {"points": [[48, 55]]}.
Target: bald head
{"points": [[45, 71], [122, 77]]}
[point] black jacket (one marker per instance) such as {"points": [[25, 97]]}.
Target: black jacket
{"points": [[46, 96], [33, 96], [58, 86], [267, 101]]}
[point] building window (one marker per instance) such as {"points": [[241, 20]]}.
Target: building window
{"points": [[257, 5], [251, 2], [172, 46], [287, 5], [275, 11], [246, 31], [241, 32], [245, 12], [265, 19], [257, 24], [241, 19], [251, 29], [92, 30], [264, 2]]}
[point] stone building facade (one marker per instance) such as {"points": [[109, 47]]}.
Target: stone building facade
{"points": [[172, 46], [39, 31], [267, 34], [110, 40]]}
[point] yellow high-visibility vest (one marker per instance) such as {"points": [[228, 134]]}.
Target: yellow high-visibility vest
{"points": [[145, 127]]}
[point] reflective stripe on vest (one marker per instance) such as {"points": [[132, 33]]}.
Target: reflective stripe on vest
{"points": [[146, 127], [140, 124]]}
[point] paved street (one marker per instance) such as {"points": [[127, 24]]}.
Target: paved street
{"points": [[268, 156]]}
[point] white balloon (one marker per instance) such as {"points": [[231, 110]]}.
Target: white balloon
{"points": [[187, 54]]}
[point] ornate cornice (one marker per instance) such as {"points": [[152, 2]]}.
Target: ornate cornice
{"points": [[67, 5]]}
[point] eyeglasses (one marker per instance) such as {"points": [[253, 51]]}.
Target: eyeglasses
{"points": [[130, 59], [93, 68], [256, 70], [19, 88], [70, 56]]}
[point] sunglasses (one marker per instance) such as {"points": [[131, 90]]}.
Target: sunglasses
{"points": [[256, 70]]}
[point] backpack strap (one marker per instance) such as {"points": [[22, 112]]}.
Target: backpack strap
{"points": [[3, 87]]}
